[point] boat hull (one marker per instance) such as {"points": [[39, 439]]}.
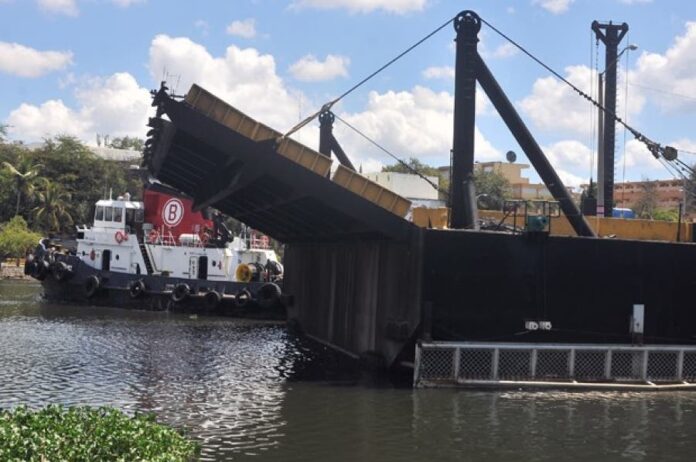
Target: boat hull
{"points": [[158, 293]]}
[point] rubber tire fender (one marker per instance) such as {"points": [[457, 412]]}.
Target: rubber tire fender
{"points": [[212, 299], [29, 265], [242, 298], [181, 292], [92, 285], [268, 295], [136, 289], [41, 269], [61, 271]]}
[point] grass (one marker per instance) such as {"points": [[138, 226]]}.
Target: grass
{"points": [[78, 434]]}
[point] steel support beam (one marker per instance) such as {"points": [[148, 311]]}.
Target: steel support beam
{"points": [[531, 148], [462, 195], [328, 142], [611, 35], [326, 120]]}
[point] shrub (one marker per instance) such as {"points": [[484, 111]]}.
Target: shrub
{"points": [[16, 238], [88, 434]]}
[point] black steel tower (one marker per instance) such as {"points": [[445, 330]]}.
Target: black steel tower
{"points": [[611, 35]]}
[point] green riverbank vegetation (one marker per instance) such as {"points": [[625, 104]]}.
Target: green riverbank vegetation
{"points": [[55, 185], [88, 434], [47, 189]]}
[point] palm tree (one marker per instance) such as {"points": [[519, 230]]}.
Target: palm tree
{"points": [[25, 175], [52, 210]]}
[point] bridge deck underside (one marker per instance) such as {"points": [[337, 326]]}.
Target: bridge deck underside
{"points": [[251, 182]]}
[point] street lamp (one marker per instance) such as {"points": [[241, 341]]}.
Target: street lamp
{"points": [[600, 132]]}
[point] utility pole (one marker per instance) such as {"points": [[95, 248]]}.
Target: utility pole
{"points": [[611, 35]]}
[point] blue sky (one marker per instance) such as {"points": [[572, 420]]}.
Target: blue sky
{"points": [[84, 67]]}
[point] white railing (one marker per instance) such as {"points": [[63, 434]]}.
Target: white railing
{"points": [[465, 363]]}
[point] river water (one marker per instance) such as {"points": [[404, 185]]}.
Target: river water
{"points": [[250, 391]]}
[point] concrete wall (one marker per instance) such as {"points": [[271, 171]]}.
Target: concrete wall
{"points": [[650, 230], [360, 296]]}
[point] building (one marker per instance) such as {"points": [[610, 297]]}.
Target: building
{"points": [[412, 187], [520, 186], [669, 193]]}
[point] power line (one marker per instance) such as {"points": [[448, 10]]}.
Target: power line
{"points": [[671, 93]]}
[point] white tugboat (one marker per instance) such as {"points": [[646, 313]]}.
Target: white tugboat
{"points": [[159, 254]]}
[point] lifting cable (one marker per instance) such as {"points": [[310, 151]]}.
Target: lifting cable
{"points": [[382, 148], [656, 149], [330, 104]]}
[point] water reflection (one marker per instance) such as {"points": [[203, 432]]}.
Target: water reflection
{"points": [[249, 390]]}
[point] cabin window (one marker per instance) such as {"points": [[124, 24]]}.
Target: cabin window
{"points": [[139, 215], [108, 213], [100, 213], [118, 214]]}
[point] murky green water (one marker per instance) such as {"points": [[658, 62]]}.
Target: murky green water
{"points": [[243, 390]]}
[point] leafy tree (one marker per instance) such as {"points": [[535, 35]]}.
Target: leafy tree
{"points": [[3, 133], [16, 239], [83, 175], [126, 142], [666, 215], [492, 187], [25, 174], [52, 213], [412, 165], [646, 204], [690, 192]]}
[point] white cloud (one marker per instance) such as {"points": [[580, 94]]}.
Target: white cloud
{"points": [[641, 163], [673, 72], [364, 6], [555, 107], [245, 29], [571, 159], [23, 61], [126, 3], [441, 72], [505, 50], [242, 77], [203, 26], [554, 6], [66, 7], [416, 123], [117, 106], [310, 69]]}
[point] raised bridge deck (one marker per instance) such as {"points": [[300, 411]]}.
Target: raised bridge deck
{"points": [[223, 158], [352, 261]]}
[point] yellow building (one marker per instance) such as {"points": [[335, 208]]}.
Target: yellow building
{"points": [[520, 186]]}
